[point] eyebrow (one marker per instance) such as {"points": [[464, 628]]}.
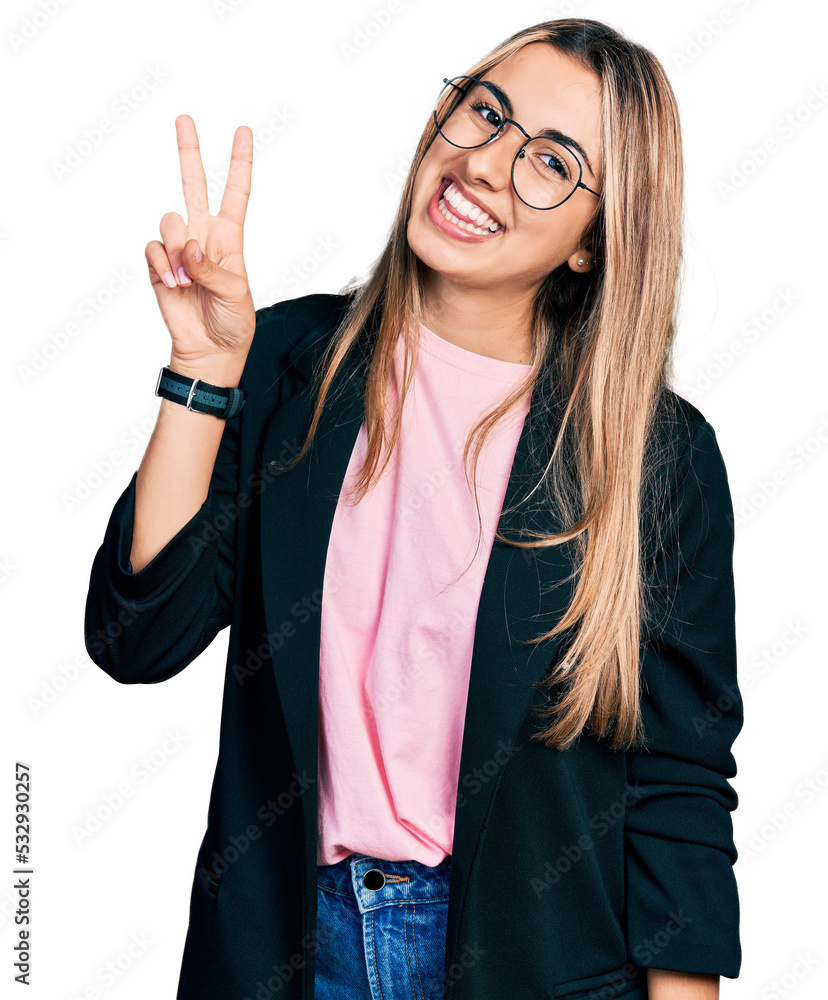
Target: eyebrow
{"points": [[547, 133]]}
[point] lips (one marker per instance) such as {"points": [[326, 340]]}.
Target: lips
{"points": [[444, 184], [459, 233]]}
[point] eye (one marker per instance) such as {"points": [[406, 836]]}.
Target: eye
{"points": [[556, 164], [487, 113]]}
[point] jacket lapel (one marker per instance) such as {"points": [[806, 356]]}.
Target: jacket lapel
{"points": [[297, 515]]}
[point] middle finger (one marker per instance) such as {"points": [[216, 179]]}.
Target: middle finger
{"points": [[193, 180]]}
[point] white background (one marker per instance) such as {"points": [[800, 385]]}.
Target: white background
{"points": [[320, 173]]}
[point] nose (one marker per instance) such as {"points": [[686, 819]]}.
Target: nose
{"points": [[491, 164]]}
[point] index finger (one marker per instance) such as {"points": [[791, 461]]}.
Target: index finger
{"points": [[193, 180], [237, 188]]}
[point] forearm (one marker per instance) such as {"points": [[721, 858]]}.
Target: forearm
{"points": [[663, 984], [174, 474]]}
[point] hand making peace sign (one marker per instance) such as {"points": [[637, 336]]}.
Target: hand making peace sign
{"points": [[208, 309]]}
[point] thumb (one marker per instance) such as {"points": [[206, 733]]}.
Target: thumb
{"points": [[206, 272]]}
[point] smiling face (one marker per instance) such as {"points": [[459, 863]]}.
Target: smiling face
{"points": [[546, 89]]}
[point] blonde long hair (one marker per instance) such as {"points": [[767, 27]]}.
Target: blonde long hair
{"points": [[602, 343]]}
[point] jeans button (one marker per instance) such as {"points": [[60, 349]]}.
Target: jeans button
{"points": [[373, 879]]}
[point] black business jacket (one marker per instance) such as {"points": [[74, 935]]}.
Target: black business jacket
{"points": [[572, 871]]}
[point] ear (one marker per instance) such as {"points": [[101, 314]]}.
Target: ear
{"points": [[581, 261]]}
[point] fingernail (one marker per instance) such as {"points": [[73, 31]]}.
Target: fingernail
{"points": [[183, 277], [169, 279], [197, 254]]}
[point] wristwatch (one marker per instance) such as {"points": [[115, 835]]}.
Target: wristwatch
{"points": [[198, 395]]}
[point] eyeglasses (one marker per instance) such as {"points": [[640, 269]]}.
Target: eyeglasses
{"points": [[545, 172]]}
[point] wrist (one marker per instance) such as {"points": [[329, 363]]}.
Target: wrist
{"points": [[207, 389], [222, 372]]}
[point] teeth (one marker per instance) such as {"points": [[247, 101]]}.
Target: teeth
{"points": [[460, 223], [485, 224]]}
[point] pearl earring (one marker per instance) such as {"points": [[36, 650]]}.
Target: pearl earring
{"points": [[582, 261]]}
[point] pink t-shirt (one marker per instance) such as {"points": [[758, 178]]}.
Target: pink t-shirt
{"points": [[396, 637]]}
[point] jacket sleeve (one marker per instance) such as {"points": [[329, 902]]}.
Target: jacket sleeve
{"points": [[145, 627], [682, 906]]}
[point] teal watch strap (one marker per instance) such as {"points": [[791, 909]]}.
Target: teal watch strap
{"points": [[198, 395]]}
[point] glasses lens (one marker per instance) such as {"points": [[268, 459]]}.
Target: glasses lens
{"points": [[467, 114], [545, 173]]}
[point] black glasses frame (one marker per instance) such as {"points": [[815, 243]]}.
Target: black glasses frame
{"points": [[521, 152]]}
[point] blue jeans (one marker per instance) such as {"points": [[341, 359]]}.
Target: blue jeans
{"points": [[381, 929]]}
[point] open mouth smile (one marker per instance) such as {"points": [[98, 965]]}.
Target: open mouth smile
{"points": [[460, 216]]}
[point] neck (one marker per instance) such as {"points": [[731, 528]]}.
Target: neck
{"points": [[491, 322]]}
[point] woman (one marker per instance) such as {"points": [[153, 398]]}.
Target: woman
{"points": [[453, 846]]}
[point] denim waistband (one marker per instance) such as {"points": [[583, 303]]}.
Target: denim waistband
{"points": [[375, 882]]}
